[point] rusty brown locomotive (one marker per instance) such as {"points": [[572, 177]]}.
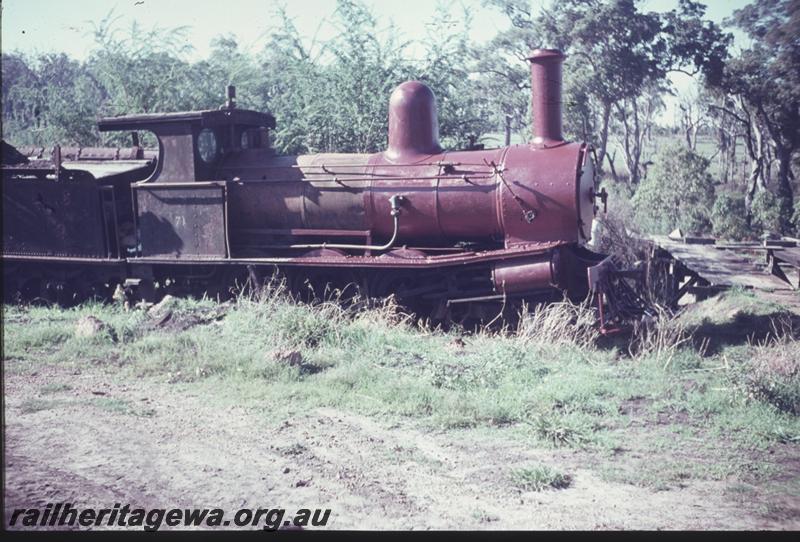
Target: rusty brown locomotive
{"points": [[442, 230]]}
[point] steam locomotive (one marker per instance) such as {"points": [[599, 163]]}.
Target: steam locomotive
{"points": [[445, 232]]}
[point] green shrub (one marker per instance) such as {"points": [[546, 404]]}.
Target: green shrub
{"points": [[729, 217], [678, 192], [766, 212], [540, 477], [771, 374]]}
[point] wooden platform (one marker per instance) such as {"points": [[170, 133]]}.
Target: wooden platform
{"points": [[737, 265]]}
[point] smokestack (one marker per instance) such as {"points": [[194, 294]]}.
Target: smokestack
{"points": [[546, 96]]}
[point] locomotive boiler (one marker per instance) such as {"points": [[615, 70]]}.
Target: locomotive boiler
{"points": [[445, 231]]}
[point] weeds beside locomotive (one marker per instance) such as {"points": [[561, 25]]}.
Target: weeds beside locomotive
{"points": [[447, 232]]}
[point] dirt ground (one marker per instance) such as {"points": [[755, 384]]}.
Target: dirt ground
{"points": [[371, 475]]}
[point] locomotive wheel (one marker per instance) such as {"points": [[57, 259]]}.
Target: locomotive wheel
{"points": [[29, 289], [226, 285], [99, 290], [51, 291], [412, 292]]}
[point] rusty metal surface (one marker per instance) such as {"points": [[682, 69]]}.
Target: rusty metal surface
{"points": [[546, 96], [90, 153], [384, 261], [524, 274], [217, 193], [181, 222], [514, 196], [413, 122], [45, 218], [530, 196], [177, 134], [539, 200], [63, 259]]}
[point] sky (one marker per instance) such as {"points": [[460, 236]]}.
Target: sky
{"points": [[39, 26]]}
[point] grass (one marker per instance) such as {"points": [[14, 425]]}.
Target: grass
{"points": [[539, 477], [55, 388], [30, 406], [551, 382]]}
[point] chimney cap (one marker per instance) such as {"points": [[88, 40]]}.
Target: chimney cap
{"points": [[546, 54]]}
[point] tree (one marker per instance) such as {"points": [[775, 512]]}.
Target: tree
{"points": [[295, 85], [464, 112], [619, 53], [20, 94], [227, 64], [334, 98], [729, 217], [367, 64], [694, 109], [503, 68], [763, 85], [49, 99], [678, 192], [333, 95], [140, 70]]}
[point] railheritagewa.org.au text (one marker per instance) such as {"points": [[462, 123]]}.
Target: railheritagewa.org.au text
{"points": [[65, 515]]}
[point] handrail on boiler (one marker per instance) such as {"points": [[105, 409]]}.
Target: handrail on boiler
{"points": [[394, 201]]}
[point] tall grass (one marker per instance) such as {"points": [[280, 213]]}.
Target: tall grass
{"points": [[546, 376], [660, 337], [559, 324]]}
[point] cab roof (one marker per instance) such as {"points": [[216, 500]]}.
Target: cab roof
{"points": [[206, 119]]}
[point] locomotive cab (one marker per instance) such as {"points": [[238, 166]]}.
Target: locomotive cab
{"points": [[193, 144], [181, 207]]}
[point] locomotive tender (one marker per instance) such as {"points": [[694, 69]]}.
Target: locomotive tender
{"points": [[442, 230]]}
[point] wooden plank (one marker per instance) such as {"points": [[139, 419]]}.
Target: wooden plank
{"points": [[721, 267], [788, 255]]}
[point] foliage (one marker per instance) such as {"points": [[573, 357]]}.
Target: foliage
{"points": [[771, 374], [677, 193], [329, 96], [729, 217], [348, 110], [765, 81], [766, 212], [617, 55], [796, 219], [51, 98], [141, 71], [540, 477], [616, 232], [465, 112]]}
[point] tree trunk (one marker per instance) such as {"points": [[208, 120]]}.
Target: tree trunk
{"points": [[754, 180], [754, 142], [632, 140], [784, 191], [722, 143], [601, 154], [613, 169], [636, 151]]}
